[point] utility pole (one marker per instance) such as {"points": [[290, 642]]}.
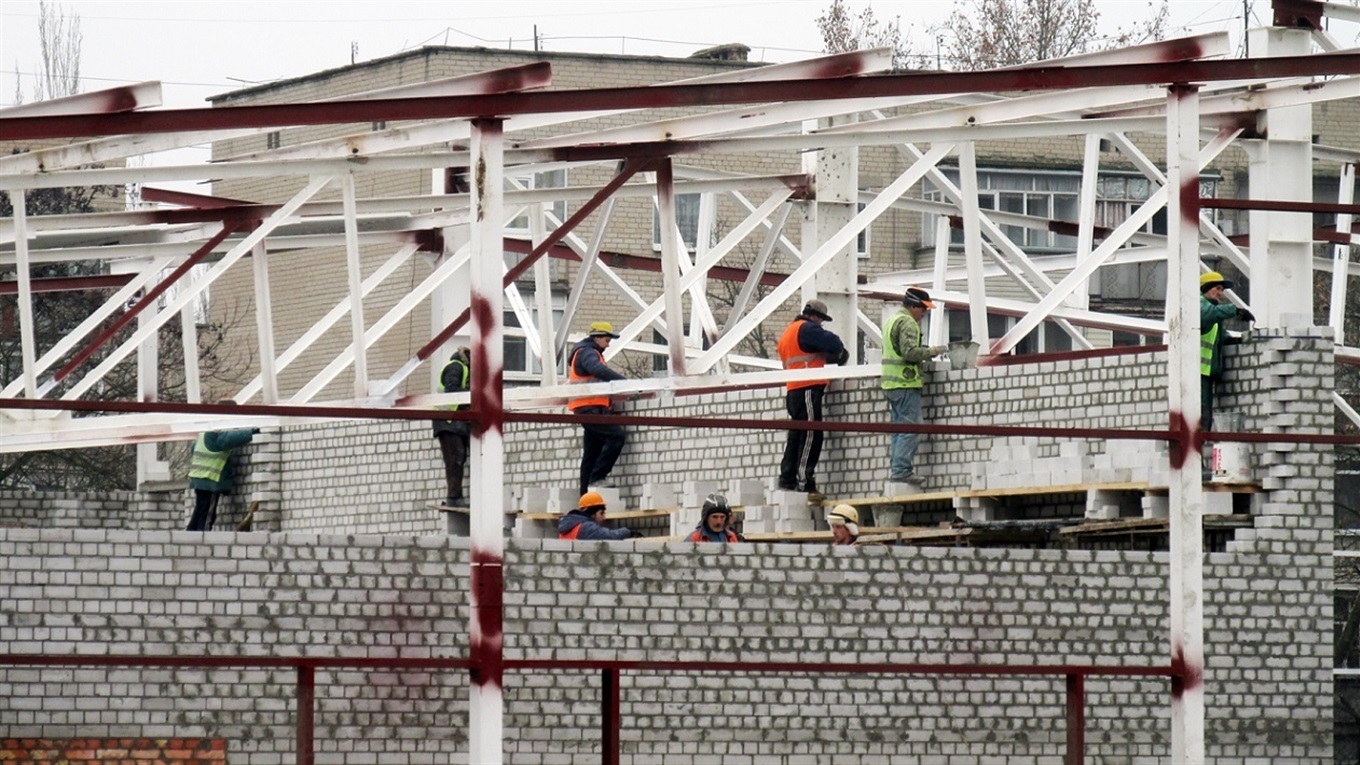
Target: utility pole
{"points": [[535, 38]]}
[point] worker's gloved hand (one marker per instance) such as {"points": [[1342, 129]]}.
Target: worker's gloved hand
{"points": [[843, 357], [635, 534], [936, 350], [254, 431], [1245, 315]]}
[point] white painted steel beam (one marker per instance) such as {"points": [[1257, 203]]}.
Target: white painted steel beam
{"points": [[1183, 362], [1341, 255], [485, 585]]}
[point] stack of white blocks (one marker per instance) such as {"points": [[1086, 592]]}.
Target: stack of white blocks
{"points": [[1016, 466], [785, 512]]}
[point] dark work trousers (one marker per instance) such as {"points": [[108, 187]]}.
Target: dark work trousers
{"points": [[601, 448], [1206, 402], [454, 447], [205, 510], [803, 448]]}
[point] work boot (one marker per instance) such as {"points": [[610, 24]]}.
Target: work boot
{"points": [[916, 479], [455, 502]]}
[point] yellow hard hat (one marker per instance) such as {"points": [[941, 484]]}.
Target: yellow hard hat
{"points": [[1208, 280], [602, 328], [842, 514]]}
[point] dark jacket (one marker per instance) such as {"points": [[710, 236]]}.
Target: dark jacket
{"points": [[590, 362], [589, 528], [814, 339]]}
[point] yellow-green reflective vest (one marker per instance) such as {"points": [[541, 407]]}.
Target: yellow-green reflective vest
{"points": [[897, 371], [1207, 341], [208, 464], [464, 384]]}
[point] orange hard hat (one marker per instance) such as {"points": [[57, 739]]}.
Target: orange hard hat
{"points": [[591, 500]]}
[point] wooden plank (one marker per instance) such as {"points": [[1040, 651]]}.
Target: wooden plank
{"points": [[622, 515], [901, 499]]}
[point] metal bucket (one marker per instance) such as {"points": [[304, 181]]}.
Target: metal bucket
{"points": [[1230, 462], [887, 517]]}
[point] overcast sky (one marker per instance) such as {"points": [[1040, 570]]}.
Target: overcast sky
{"points": [[198, 48]]}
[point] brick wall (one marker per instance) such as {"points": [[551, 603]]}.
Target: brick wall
{"points": [[329, 587], [114, 751]]}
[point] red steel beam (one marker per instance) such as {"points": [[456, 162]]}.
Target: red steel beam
{"points": [[672, 96], [611, 717], [366, 413], [306, 714], [629, 170], [645, 263], [70, 284], [187, 199], [1279, 205]]}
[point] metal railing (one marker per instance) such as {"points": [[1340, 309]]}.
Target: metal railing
{"points": [[611, 696]]}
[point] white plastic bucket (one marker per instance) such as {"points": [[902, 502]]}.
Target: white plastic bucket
{"points": [[1230, 461]]}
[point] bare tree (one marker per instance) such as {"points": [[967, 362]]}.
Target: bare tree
{"points": [[59, 35], [844, 31], [985, 34]]}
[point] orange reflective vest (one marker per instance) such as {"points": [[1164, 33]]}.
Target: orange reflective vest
{"points": [[794, 357], [578, 403], [574, 533], [697, 535]]}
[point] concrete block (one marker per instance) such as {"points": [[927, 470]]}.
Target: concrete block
{"points": [[1218, 503], [658, 496], [899, 489], [742, 492], [694, 492], [1156, 506]]}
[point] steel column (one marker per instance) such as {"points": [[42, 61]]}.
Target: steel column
{"points": [[972, 245], [670, 266], [1341, 255], [306, 715], [1281, 242], [1076, 720], [27, 343], [837, 283], [264, 323], [610, 717], [1186, 498], [354, 269], [486, 608]]}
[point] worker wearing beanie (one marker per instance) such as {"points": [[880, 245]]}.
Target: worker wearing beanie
{"points": [[713, 527], [902, 380], [844, 523], [587, 521], [454, 436], [1214, 309]]}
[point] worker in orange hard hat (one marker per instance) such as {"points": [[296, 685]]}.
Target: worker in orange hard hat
{"points": [[587, 521]]}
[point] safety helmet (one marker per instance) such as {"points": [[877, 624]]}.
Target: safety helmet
{"points": [[716, 503], [915, 296], [842, 514], [591, 500], [1209, 280]]}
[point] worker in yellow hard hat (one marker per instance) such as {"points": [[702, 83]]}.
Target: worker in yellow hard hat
{"points": [[602, 442], [1214, 309]]}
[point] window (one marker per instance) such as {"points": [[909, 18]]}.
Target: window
{"points": [[379, 125], [272, 140], [520, 363], [1047, 338], [1054, 195], [661, 362], [552, 179], [862, 241], [686, 218]]}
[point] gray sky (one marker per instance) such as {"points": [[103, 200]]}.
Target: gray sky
{"points": [[197, 48]]}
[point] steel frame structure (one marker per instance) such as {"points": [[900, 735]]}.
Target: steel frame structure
{"points": [[824, 109]]}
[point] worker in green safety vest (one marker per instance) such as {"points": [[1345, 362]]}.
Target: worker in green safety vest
{"points": [[454, 436], [902, 380], [211, 468], [1214, 309]]}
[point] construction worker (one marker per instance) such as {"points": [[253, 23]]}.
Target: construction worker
{"points": [[602, 442], [805, 345], [844, 523], [587, 521], [211, 468], [454, 436], [713, 527], [1214, 309], [902, 380]]}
